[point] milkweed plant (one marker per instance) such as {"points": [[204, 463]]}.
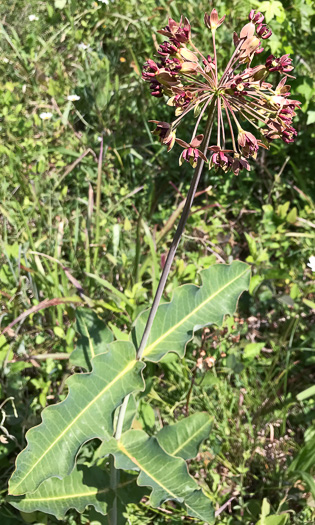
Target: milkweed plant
{"points": [[237, 111]]}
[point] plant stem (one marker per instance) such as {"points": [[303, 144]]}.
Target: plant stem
{"points": [[98, 202], [179, 231], [162, 283]]}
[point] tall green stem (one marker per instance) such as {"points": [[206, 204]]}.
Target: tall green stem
{"points": [[162, 283], [98, 202]]}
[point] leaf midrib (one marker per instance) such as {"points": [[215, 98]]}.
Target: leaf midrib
{"points": [[151, 347], [189, 439], [130, 365], [142, 469]]}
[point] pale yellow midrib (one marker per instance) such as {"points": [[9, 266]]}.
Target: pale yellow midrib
{"points": [[80, 495], [68, 496], [190, 439], [151, 347], [121, 374], [133, 459]]}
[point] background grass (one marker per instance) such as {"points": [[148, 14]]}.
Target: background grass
{"points": [[93, 229]]}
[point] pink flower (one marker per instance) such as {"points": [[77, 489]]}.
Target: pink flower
{"points": [[191, 152], [263, 31], [212, 21], [282, 64], [178, 33], [165, 133], [257, 18], [248, 143], [190, 80]]}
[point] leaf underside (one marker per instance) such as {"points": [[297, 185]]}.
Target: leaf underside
{"points": [[166, 475], [192, 308], [85, 486], [182, 439], [93, 340], [85, 414], [88, 410]]}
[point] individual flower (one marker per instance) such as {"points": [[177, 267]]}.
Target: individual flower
{"points": [[165, 133], [311, 263], [191, 152], [212, 21], [188, 80], [256, 18], [73, 98], [282, 64], [45, 115], [32, 18], [263, 31], [179, 33]]}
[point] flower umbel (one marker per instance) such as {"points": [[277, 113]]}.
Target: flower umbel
{"points": [[191, 82]]}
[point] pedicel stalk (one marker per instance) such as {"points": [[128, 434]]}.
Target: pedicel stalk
{"points": [[189, 81]]}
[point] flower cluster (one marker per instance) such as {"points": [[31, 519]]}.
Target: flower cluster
{"points": [[191, 82]]}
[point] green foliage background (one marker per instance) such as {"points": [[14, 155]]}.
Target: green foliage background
{"points": [[107, 254]]}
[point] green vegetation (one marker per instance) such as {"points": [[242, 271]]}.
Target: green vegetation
{"points": [[89, 200]]}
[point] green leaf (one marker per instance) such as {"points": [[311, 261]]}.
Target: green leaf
{"points": [[305, 394], [310, 117], [85, 414], [85, 486], [305, 460], [60, 4], [274, 520], [184, 437], [252, 350], [166, 475], [94, 339], [192, 308]]}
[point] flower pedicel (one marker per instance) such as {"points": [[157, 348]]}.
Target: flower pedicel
{"points": [[190, 80]]}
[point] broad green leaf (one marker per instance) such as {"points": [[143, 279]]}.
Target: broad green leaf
{"points": [[305, 394], [166, 475], [184, 437], [192, 308], [85, 414], [94, 339], [274, 520], [305, 460], [85, 486]]}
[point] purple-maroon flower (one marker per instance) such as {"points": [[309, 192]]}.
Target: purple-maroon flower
{"points": [[220, 158], [257, 18], [248, 143], [179, 33], [263, 31], [191, 152], [168, 48], [282, 64], [189, 79], [165, 133], [212, 21]]}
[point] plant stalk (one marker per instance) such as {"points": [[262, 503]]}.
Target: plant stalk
{"points": [[163, 279]]}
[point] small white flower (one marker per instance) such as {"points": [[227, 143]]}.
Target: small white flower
{"points": [[99, 139], [311, 263], [73, 98], [5, 60], [45, 115], [83, 46], [104, 1], [32, 18]]}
